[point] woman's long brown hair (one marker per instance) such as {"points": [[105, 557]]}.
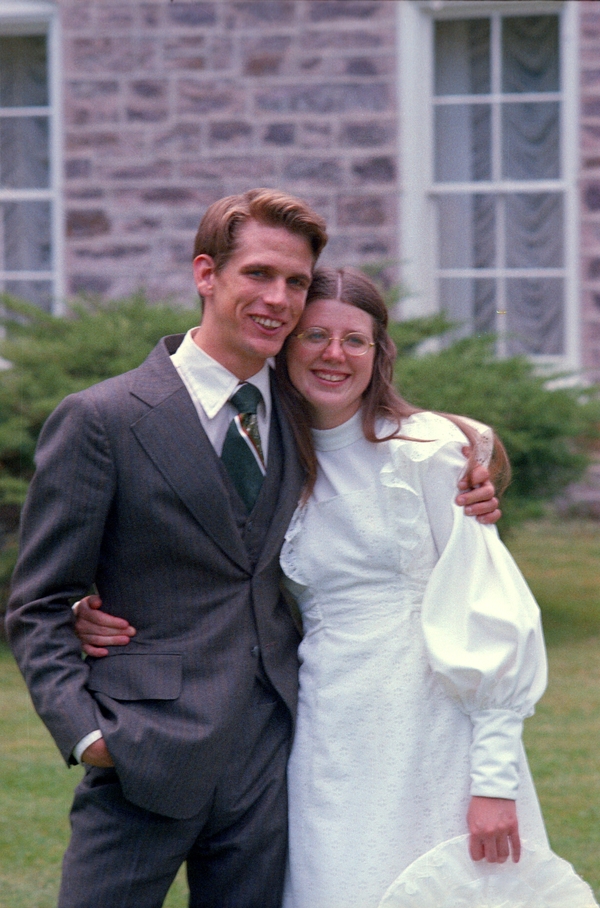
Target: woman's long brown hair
{"points": [[380, 400]]}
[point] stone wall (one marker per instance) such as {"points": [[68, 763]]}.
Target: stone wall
{"points": [[171, 104], [590, 186]]}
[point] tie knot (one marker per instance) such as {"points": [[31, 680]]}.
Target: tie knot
{"points": [[246, 399]]}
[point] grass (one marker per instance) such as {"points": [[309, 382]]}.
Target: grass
{"points": [[562, 564]]}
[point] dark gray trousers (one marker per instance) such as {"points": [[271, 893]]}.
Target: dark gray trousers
{"points": [[121, 856]]}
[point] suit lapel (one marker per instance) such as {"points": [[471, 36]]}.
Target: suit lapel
{"points": [[172, 437], [290, 489]]}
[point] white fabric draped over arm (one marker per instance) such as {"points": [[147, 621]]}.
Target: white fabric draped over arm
{"points": [[482, 628]]}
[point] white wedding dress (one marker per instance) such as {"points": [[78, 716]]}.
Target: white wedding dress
{"points": [[422, 653]]}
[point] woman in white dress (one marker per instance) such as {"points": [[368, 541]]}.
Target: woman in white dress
{"points": [[422, 650]]}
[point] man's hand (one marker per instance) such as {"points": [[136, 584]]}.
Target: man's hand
{"points": [[97, 754], [97, 630], [478, 495], [494, 830]]}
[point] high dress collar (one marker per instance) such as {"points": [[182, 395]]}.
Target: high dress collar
{"points": [[340, 436]]}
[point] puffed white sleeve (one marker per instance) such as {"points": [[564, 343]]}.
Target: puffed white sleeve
{"points": [[482, 629]]}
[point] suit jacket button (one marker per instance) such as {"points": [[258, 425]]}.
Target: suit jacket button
{"points": [[255, 650]]}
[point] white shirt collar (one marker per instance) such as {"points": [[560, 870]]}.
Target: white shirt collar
{"points": [[212, 383]]}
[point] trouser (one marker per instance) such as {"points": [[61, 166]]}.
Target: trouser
{"points": [[122, 856]]}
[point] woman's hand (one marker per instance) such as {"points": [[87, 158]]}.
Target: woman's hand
{"points": [[494, 830], [478, 494], [97, 630]]}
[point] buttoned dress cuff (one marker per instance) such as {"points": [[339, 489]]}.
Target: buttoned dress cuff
{"points": [[495, 753]]}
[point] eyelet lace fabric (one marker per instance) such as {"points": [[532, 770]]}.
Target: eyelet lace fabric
{"points": [[400, 665]]}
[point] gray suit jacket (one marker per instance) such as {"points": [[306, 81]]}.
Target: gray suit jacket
{"points": [[129, 494]]}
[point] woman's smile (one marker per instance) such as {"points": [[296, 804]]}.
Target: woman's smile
{"points": [[330, 378]]}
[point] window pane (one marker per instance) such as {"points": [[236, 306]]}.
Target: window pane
{"points": [[530, 141], [471, 303], [462, 143], [535, 321], [530, 54], [24, 153], [23, 78], [534, 230], [462, 57], [37, 292], [466, 231], [26, 235]]}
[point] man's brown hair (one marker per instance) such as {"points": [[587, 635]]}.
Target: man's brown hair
{"points": [[219, 229]]}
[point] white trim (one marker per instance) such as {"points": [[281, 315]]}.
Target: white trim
{"points": [[570, 161], [415, 69], [37, 17], [57, 163], [418, 239]]}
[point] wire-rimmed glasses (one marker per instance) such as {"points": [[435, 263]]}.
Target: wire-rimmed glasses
{"points": [[318, 339]]}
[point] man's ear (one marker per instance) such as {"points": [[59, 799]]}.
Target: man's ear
{"points": [[204, 274]]}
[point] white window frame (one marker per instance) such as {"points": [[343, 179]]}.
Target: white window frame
{"points": [[418, 252], [40, 17]]}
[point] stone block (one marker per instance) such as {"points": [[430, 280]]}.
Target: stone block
{"points": [[232, 132], [590, 78], [77, 15], [142, 224], [590, 107], [105, 143], [185, 52], [354, 39], [91, 89], [87, 223], [590, 26], [332, 10], [245, 166], [317, 170], [366, 134], [361, 211], [324, 99], [181, 139], [380, 169], [85, 193], [590, 138], [116, 17], [89, 285], [260, 13], [113, 54], [150, 14], [77, 168], [196, 97], [114, 252], [152, 170], [265, 56], [168, 195], [192, 14], [314, 134], [180, 253], [147, 101], [591, 197], [361, 66], [221, 55], [279, 134]]}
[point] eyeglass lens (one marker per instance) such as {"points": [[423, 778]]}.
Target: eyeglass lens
{"points": [[354, 344]]}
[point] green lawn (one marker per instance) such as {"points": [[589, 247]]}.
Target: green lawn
{"points": [[562, 564]]}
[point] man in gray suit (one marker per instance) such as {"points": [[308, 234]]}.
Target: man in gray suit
{"points": [[185, 733]]}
